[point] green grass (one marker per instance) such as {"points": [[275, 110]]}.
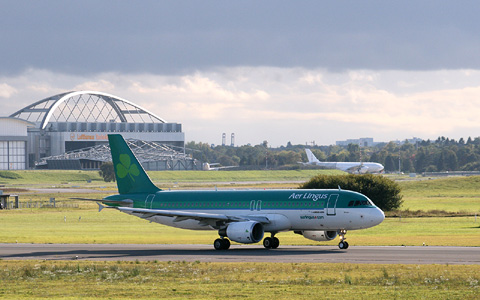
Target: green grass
{"points": [[454, 194], [227, 176], [180, 280], [60, 177], [87, 225], [195, 280], [42, 177]]}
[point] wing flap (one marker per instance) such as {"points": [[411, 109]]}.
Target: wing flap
{"points": [[187, 215]]}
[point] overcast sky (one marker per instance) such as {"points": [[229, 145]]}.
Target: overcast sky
{"points": [[280, 71]]}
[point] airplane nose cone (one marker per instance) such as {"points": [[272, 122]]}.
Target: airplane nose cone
{"points": [[377, 217]]}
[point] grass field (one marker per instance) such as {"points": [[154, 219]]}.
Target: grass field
{"points": [[80, 178], [450, 194], [195, 280], [87, 225], [180, 280]]}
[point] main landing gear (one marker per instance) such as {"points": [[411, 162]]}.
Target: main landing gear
{"points": [[271, 242], [221, 244], [268, 242], [343, 244]]}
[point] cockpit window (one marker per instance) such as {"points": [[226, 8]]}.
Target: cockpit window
{"points": [[363, 202]]}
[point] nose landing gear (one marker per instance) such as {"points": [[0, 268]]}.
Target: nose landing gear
{"points": [[343, 244]]}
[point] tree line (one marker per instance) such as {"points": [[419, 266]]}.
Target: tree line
{"points": [[442, 154]]}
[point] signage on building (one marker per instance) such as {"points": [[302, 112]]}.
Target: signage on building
{"points": [[88, 137]]}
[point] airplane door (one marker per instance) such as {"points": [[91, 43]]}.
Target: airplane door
{"points": [[332, 204], [149, 201]]}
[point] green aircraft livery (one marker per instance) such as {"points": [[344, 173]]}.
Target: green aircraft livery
{"points": [[243, 216]]}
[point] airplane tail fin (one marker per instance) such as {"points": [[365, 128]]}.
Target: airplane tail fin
{"points": [[130, 175], [311, 157]]}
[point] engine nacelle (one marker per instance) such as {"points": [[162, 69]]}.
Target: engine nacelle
{"points": [[319, 236], [245, 232]]}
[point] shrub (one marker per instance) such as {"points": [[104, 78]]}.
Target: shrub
{"points": [[385, 193], [107, 172], [9, 175]]}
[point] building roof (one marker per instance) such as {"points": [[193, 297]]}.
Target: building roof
{"points": [[85, 106]]}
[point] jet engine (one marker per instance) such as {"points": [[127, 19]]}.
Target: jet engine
{"points": [[244, 232], [319, 236]]}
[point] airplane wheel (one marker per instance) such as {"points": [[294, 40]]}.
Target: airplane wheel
{"points": [[341, 245], [220, 244], [346, 245], [268, 242], [226, 244], [275, 243]]}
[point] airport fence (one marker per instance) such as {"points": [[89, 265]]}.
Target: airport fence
{"points": [[42, 204]]}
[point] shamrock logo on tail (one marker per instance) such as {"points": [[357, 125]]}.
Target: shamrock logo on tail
{"points": [[125, 167]]}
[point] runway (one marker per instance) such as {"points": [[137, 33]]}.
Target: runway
{"points": [[243, 253]]}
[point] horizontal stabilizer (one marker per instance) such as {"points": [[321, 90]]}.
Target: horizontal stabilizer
{"points": [[122, 202]]}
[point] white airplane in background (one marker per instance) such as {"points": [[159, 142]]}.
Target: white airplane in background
{"points": [[208, 167], [350, 167]]}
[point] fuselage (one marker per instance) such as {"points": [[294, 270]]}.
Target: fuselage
{"points": [[350, 167], [353, 167], [286, 209]]}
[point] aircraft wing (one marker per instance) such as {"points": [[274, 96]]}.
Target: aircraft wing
{"points": [[360, 168], [146, 213]]}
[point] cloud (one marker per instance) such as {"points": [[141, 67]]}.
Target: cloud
{"points": [[166, 37], [100, 85], [282, 104], [6, 91]]}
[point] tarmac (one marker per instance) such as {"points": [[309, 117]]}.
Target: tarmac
{"points": [[244, 253]]}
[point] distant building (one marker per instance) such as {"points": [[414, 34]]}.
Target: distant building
{"points": [[50, 128], [362, 142], [410, 141], [368, 142], [13, 143]]}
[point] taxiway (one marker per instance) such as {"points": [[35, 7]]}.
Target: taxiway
{"points": [[243, 253]]}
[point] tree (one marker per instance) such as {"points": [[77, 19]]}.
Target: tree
{"points": [[391, 163], [407, 165], [451, 160], [384, 192], [319, 154], [353, 152], [107, 172], [287, 157]]}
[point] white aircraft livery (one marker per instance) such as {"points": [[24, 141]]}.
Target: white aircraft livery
{"points": [[350, 167], [242, 216]]}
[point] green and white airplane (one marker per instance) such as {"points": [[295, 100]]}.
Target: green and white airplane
{"points": [[243, 216]]}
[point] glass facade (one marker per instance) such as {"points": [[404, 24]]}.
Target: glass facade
{"points": [[12, 155]]}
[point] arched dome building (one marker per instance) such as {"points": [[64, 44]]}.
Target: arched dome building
{"points": [[67, 122]]}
